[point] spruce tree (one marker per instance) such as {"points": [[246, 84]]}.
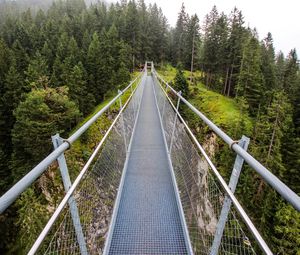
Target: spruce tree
{"points": [[268, 135], [251, 82], [268, 62], [94, 68], [279, 71], [291, 82], [180, 36], [132, 30], [286, 229], [37, 71], [15, 88], [43, 113], [237, 37], [180, 82], [78, 89], [193, 40]]}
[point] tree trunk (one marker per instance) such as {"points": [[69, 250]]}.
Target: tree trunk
{"points": [[230, 80], [207, 78], [192, 61], [261, 184], [226, 81]]}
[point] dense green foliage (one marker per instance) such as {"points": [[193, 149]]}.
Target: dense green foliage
{"points": [[59, 61]]}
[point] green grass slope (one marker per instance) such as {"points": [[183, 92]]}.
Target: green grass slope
{"points": [[225, 112]]}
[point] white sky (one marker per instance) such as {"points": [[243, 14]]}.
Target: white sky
{"points": [[281, 18]]}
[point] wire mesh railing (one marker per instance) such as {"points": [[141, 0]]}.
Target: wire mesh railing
{"points": [[201, 196], [95, 194]]}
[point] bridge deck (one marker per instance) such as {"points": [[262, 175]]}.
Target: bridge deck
{"points": [[148, 220]]}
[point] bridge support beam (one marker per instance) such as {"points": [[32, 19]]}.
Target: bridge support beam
{"points": [[57, 141], [238, 164]]}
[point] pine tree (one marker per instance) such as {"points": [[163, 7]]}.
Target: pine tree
{"points": [[268, 62], [76, 82], [268, 135], [92, 59], [286, 230], [37, 71], [291, 82], [279, 70], [133, 30], [237, 37], [4, 130], [4, 65], [47, 53], [14, 89], [180, 36], [144, 26], [180, 82], [123, 75], [20, 55], [193, 40], [43, 113], [251, 83], [4, 172], [57, 71], [30, 203], [214, 48]]}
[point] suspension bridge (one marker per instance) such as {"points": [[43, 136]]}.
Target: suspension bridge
{"points": [[149, 187]]}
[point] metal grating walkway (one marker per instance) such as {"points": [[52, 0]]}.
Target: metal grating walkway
{"points": [[148, 219]]}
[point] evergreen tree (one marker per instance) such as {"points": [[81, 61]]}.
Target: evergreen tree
{"points": [[4, 59], [43, 113], [144, 21], [180, 36], [4, 173], [123, 75], [268, 135], [37, 71], [133, 30], [214, 48], [236, 41], [79, 93], [268, 62], [251, 83], [30, 203], [48, 55], [193, 40], [180, 82], [286, 230], [291, 82], [14, 89], [279, 70], [93, 64], [20, 55]]}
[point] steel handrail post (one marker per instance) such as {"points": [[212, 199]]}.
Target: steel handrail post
{"points": [[237, 168], [57, 141]]}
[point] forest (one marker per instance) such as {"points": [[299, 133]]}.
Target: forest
{"points": [[59, 61]]}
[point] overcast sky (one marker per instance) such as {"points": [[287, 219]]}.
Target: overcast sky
{"points": [[280, 17]]}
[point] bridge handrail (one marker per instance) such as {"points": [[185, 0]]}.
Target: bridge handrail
{"points": [[64, 201], [288, 194], [13, 193], [263, 245]]}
